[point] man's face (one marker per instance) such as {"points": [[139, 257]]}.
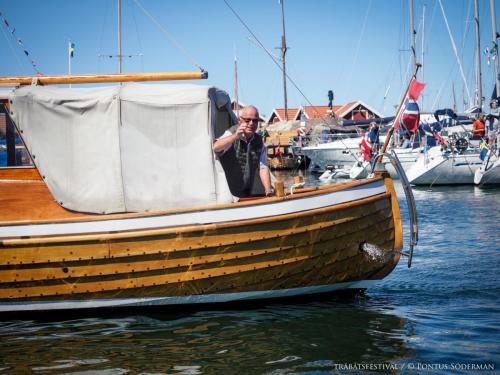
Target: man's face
{"points": [[250, 118]]}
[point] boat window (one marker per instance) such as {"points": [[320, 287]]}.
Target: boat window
{"points": [[12, 150]]}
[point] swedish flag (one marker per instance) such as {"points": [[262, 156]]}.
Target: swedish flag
{"points": [[71, 49]]}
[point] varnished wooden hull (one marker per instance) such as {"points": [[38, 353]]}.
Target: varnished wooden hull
{"points": [[306, 243]]}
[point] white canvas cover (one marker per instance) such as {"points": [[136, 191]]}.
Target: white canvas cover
{"points": [[130, 148]]}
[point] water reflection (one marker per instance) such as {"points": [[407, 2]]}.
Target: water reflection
{"points": [[296, 337]]}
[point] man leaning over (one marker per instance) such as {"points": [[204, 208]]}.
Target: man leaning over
{"points": [[243, 156]]}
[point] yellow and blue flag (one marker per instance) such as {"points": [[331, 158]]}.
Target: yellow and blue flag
{"points": [[483, 147]]}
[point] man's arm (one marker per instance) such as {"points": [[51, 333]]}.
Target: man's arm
{"points": [[264, 173], [224, 143], [265, 178]]}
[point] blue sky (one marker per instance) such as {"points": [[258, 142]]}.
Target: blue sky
{"points": [[357, 48]]}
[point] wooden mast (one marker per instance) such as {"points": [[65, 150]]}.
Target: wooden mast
{"points": [[283, 53], [101, 78]]}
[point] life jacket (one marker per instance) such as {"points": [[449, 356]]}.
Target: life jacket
{"points": [[243, 158]]}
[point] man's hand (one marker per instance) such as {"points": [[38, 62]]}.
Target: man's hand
{"points": [[240, 130]]}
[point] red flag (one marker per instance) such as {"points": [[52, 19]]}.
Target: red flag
{"points": [[410, 118], [366, 148], [415, 89]]}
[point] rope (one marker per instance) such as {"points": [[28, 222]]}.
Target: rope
{"points": [[138, 40], [281, 68], [169, 36], [20, 43], [9, 43], [355, 59]]}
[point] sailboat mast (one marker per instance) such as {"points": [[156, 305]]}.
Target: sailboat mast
{"points": [[283, 53], [237, 104], [422, 54], [479, 91], [495, 45], [413, 37], [454, 46], [119, 36]]}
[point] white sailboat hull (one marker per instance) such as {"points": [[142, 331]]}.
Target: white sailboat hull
{"points": [[345, 154], [340, 152], [488, 173], [439, 168]]}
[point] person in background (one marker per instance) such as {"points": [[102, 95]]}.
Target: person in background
{"points": [[406, 141], [373, 134], [478, 127], [365, 147], [493, 123], [301, 134], [243, 156]]}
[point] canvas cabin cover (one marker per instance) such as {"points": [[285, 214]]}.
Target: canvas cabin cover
{"points": [[130, 148]]}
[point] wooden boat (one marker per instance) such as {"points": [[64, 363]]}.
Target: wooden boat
{"points": [[64, 246]]}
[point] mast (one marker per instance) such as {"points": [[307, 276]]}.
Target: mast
{"points": [[283, 53], [69, 58], [423, 53], [495, 45], [119, 36], [455, 51], [454, 98], [236, 86], [413, 38], [479, 91]]}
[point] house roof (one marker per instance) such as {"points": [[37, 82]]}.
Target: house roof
{"points": [[280, 113], [350, 106], [319, 111]]}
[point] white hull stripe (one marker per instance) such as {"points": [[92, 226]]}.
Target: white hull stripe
{"points": [[198, 217], [182, 300]]}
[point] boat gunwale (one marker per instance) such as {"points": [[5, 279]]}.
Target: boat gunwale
{"points": [[105, 236], [89, 217]]}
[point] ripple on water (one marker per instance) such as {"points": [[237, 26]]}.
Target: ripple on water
{"points": [[443, 309]]}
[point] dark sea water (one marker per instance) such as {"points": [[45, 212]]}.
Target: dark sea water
{"points": [[440, 316]]}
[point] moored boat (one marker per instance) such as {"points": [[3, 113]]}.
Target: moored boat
{"points": [[109, 216], [445, 166], [489, 172]]}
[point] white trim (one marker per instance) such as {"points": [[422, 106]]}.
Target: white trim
{"points": [[198, 217], [182, 300]]}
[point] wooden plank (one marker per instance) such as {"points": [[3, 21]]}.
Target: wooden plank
{"points": [[184, 229], [331, 248], [396, 214], [219, 257], [70, 216], [24, 200], [223, 237], [196, 281], [19, 173], [101, 78]]}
